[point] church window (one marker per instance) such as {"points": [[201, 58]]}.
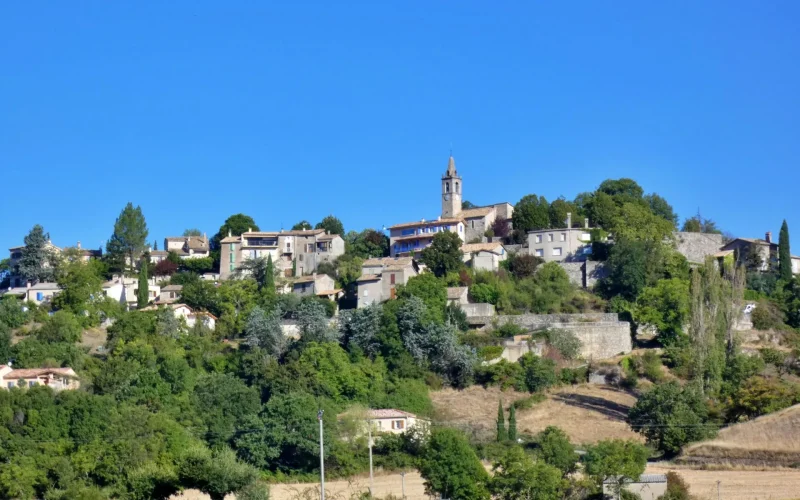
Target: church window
{"points": [[456, 187], [446, 187]]}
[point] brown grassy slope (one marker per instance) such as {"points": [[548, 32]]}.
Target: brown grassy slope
{"points": [[587, 413], [771, 440]]}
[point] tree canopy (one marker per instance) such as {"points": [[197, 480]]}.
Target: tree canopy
{"points": [[129, 238]]}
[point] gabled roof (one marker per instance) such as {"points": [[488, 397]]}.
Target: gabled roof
{"points": [[481, 247], [328, 237], [172, 288], [754, 241], [388, 261], [476, 212], [310, 279], [390, 413], [37, 372], [20, 290], [368, 277], [433, 222]]}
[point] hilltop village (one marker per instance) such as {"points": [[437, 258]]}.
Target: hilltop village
{"points": [[227, 352]]}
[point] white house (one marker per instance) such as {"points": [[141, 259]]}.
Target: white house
{"points": [[393, 421], [124, 289], [484, 256], [56, 378], [189, 315]]}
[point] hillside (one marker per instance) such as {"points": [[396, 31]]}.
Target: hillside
{"points": [[587, 413], [771, 440]]}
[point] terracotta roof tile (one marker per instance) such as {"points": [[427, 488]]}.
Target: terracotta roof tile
{"points": [[434, 222], [369, 277], [390, 413], [476, 212]]}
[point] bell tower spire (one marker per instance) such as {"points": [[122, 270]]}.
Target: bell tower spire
{"points": [[451, 190]]}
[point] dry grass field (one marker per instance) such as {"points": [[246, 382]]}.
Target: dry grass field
{"points": [[771, 440], [587, 413]]}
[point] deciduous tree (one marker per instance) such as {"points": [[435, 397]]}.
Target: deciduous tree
{"points": [[451, 469], [531, 212], [303, 225], [443, 255], [518, 476], [615, 460], [331, 224]]}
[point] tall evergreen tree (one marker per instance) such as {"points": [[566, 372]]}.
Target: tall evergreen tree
{"points": [[38, 260], [512, 424], [130, 235], [155, 245], [501, 424], [143, 292], [269, 279], [784, 254]]}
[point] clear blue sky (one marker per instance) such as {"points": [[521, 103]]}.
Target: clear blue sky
{"points": [[294, 110]]}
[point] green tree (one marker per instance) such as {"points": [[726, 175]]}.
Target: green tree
{"points": [[635, 222], [369, 243], [60, 327], [443, 255], [623, 190], [129, 237], [512, 424], [629, 269], [784, 254], [451, 469], [217, 473], [80, 283], [430, 290], [553, 446], [699, 224], [665, 306], [558, 211], [189, 232], [303, 225], [38, 261], [502, 435], [615, 460], [670, 416], [224, 404], [517, 476], [269, 279], [143, 292], [263, 330], [331, 224], [531, 212], [661, 208], [538, 373], [601, 209], [260, 269]]}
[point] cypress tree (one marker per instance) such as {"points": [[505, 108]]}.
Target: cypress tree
{"points": [[784, 254], [143, 293], [501, 424], [269, 280], [512, 424]]}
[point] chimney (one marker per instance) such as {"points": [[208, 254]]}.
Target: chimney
{"points": [[229, 233], [249, 229], [768, 236], [423, 220], [586, 223], [569, 220], [79, 245]]}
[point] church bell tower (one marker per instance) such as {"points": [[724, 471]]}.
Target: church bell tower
{"points": [[451, 191]]}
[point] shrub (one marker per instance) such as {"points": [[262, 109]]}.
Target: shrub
{"points": [[538, 373], [527, 403], [574, 376], [565, 342], [766, 316], [677, 489], [502, 374], [483, 293], [553, 446], [508, 330]]}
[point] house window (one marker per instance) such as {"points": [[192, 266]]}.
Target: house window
{"points": [[539, 252], [563, 236], [557, 251], [10, 385], [232, 267], [550, 237], [232, 257], [253, 254], [231, 247], [366, 293], [31, 383], [398, 424], [538, 238], [288, 246], [472, 224], [586, 236], [391, 279], [460, 228]]}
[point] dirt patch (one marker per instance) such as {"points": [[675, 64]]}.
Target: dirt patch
{"points": [[93, 338], [737, 484], [771, 440], [587, 413]]}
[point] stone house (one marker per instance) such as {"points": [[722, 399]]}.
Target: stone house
{"points": [[14, 257], [57, 379], [169, 294], [484, 256], [188, 247], [558, 245], [294, 253], [410, 238], [381, 276], [320, 285], [766, 249]]}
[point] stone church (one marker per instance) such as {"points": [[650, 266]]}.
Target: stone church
{"points": [[476, 220]]}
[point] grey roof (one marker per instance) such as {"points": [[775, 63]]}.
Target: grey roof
{"points": [[172, 288], [46, 286], [455, 292]]}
